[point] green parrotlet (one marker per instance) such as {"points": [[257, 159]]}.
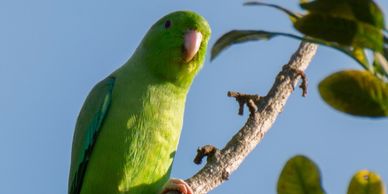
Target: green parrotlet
{"points": [[128, 129]]}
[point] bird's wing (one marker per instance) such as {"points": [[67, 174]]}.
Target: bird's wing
{"points": [[88, 125]]}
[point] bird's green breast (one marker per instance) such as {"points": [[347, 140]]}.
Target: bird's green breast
{"points": [[138, 139]]}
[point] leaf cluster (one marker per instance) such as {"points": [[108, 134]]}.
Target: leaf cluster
{"points": [[300, 175], [353, 27]]}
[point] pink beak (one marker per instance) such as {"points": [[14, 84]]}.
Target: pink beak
{"points": [[193, 41]]}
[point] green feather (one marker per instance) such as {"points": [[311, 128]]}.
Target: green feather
{"points": [[128, 130], [89, 122]]}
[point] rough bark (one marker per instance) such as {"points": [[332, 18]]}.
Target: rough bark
{"points": [[264, 111]]}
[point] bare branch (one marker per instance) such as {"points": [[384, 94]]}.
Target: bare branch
{"points": [[221, 163]]}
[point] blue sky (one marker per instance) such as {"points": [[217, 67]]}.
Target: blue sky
{"points": [[53, 52]]}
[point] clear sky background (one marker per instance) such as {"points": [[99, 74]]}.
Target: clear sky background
{"points": [[53, 52]]}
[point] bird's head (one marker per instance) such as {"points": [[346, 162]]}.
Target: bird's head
{"points": [[175, 46]]}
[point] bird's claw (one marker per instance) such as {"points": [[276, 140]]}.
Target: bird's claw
{"points": [[178, 185]]}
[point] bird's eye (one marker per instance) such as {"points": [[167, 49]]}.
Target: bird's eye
{"points": [[167, 24]]}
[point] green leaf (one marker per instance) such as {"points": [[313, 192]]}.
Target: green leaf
{"points": [[366, 11], [343, 31], [366, 182], [235, 37], [355, 92], [336, 8], [241, 36], [360, 54], [300, 175], [292, 15]]}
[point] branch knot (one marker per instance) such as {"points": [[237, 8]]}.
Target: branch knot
{"points": [[302, 75], [250, 100], [208, 150]]}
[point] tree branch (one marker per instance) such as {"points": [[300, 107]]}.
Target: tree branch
{"points": [[221, 163]]}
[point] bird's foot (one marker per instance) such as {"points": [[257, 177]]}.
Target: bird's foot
{"points": [[178, 185]]}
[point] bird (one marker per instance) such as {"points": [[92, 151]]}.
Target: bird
{"points": [[127, 132]]}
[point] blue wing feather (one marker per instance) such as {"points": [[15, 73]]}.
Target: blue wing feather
{"points": [[87, 129]]}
